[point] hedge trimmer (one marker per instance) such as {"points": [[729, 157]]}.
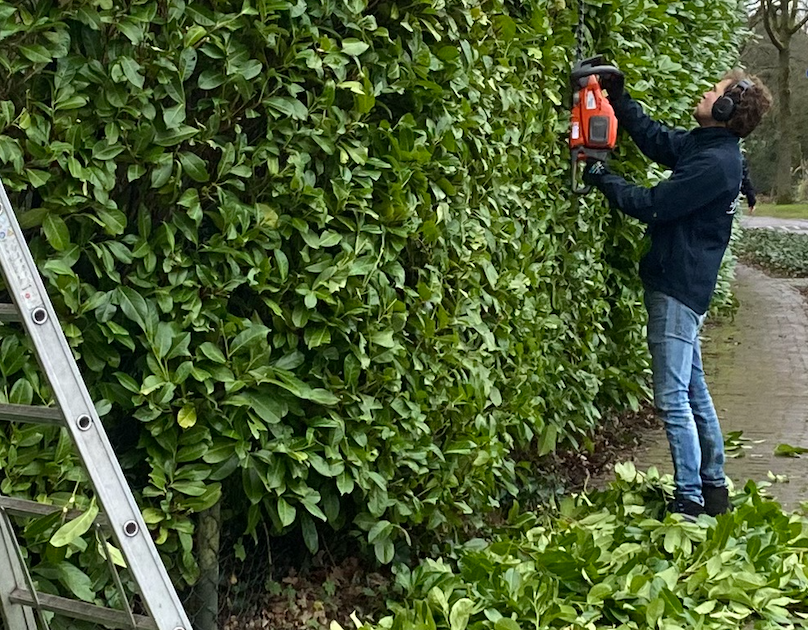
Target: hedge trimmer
{"points": [[593, 132]]}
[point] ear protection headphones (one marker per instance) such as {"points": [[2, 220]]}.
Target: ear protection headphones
{"points": [[725, 106]]}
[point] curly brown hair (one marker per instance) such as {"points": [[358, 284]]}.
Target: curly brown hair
{"points": [[752, 103]]}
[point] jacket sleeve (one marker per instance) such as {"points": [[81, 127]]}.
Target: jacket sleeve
{"points": [[747, 189], [696, 185], [658, 142]]}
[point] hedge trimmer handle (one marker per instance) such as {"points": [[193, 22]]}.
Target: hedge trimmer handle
{"points": [[577, 158], [583, 71], [593, 132]]}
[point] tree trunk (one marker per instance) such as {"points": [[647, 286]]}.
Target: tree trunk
{"points": [[205, 604], [785, 150]]}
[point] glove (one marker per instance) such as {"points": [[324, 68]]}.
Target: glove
{"points": [[594, 171], [614, 84]]}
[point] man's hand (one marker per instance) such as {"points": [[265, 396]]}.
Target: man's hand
{"points": [[751, 209], [614, 84], [594, 171]]}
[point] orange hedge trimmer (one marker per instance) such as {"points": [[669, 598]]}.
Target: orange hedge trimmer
{"points": [[594, 125]]}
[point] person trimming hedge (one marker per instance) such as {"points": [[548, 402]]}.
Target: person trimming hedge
{"points": [[689, 219]]}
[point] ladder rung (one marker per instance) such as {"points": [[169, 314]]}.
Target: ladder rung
{"points": [[31, 414], [75, 609], [24, 507], [9, 313]]}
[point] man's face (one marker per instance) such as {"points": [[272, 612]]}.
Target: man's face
{"points": [[704, 110]]}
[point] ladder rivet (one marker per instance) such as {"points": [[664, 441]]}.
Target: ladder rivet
{"points": [[130, 528], [40, 315], [84, 422]]}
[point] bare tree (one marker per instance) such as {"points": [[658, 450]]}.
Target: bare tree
{"points": [[782, 19]]}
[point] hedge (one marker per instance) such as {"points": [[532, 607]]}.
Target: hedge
{"points": [[320, 260]]}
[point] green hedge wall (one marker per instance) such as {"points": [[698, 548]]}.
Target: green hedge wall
{"points": [[320, 258]]}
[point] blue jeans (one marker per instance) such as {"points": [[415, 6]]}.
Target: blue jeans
{"points": [[681, 396]]}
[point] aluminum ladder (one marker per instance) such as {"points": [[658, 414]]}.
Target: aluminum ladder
{"points": [[21, 606]]}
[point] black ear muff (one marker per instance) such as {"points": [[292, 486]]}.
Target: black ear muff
{"points": [[725, 106]]}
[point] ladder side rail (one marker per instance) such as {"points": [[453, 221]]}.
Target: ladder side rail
{"points": [[12, 577]]}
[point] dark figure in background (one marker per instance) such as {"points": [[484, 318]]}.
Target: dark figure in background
{"points": [[747, 190]]}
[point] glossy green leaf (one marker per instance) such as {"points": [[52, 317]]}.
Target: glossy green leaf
{"points": [[288, 107], [354, 47], [286, 512], [212, 352], [194, 166], [384, 550], [75, 528], [315, 337], [56, 232], [174, 116], [36, 53], [186, 417], [461, 611], [247, 338]]}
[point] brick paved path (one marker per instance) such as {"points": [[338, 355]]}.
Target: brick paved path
{"points": [[757, 370]]}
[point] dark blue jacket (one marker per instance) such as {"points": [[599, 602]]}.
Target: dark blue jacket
{"points": [[690, 214]]}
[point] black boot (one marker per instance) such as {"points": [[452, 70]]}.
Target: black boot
{"points": [[687, 508], [716, 500]]}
